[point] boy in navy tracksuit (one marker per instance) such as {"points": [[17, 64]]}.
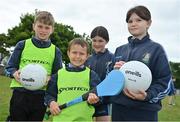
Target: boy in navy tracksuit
{"points": [[101, 61], [142, 106], [26, 105], [71, 82]]}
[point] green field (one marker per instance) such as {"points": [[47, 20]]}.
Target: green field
{"points": [[168, 113], [5, 94]]}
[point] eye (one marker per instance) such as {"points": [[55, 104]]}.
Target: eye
{"points": [[74, 52], [82, 53], [139, 20], [101, 40], [130, 21], [93, 40], [40, 26], [47, 28]]}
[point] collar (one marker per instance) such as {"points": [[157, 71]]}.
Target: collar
{"points": [[71, 67], [133, 40], [100, 53], [41, 44]]}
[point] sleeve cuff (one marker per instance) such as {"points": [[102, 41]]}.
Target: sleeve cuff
{"points": [[147, 97]]}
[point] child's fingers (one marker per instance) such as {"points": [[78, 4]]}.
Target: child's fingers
{"points": [[127, 93], [54, 108], [119, 64], [17, 75], [141, 95], [47, 79], [55, 111], [92, 99]]}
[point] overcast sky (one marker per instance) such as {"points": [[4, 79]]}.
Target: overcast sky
{"points": [[84, 15]]}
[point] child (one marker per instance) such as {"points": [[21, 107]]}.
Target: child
{"points": [[72, 82], [26, 105], [100, 61], [142, 106], [172, 93]]}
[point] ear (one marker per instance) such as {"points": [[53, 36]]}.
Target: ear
{"points": [[33, 26], [52, 30], [68, 53], [87, 56], [149, 23]]}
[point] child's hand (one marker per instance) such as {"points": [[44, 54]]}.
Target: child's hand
{"points": [[119, 64], [141, 95], [17, 75], [48, 79], [92, 98], [54, 108]]}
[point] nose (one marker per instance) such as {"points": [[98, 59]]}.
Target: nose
{"points": [[96, 43], [43, 29], [133, 23], [77, 55]]}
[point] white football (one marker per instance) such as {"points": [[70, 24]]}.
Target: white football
{"points": [[137, 76], [33, 76]]}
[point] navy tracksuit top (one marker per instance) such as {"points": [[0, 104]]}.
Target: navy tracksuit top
{"points": [[154, 56]]}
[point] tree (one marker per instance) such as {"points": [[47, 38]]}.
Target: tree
{"points": [[175, 68], [3, 40], [22, 31], [61, 36]]}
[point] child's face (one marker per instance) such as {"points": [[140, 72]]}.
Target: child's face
{"points": [[42, 31], [98, 44], [137, 26], [77, 55]]}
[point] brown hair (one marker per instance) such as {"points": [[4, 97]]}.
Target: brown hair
{"points": [[44, 17], [100, 31], [79, 41], [141, 11]]}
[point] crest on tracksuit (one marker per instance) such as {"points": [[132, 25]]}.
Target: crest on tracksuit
{"points": [[146, 58], [108, 66]]}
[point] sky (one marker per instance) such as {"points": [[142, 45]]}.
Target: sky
{"points": [[85, 15]]}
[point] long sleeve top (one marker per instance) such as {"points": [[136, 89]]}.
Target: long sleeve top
{"points": [[14, 60], [101, 63], [154, 56], [52, 90]]}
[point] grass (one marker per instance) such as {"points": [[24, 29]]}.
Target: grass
{"points": [[167, 113], [5, 94]]}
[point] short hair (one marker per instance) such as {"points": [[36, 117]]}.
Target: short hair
{"points": [[141, 11], [44, 17], [79, 41], [100, 31]]}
